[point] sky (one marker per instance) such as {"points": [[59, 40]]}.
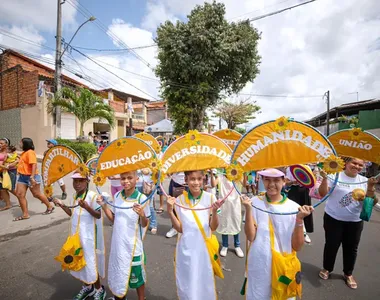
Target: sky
{"points": [[324, 45]]}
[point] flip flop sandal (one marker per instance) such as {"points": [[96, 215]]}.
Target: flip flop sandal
{"points": [[49, 211], [159, 211], [324, 274], [350, 282], [21, 218]]}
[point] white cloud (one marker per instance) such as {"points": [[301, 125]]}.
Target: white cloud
{"points": [[12, 37], [41, 14]]}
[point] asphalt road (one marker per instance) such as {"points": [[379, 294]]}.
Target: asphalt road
{"points": [[29, 271]]}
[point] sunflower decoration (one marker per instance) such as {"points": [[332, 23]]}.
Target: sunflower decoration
{"points": [[333, 164], [71, 255], [234, 172], [83, 170], [61, 168], [193, 138], [227, 132], [155, 164], [48, 191], [358, 194], [281, 123], [99, 179], [156, 177], [120, 144], [355, 133]]}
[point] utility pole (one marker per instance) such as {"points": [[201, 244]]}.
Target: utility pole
{"points": [[58, 68], [327, 94]]}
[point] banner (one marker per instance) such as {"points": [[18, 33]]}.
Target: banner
{"points": [[195, 151], [230, 137], [356, 143], [150, 140], [124, 155], [58, 162], [281, 143]]}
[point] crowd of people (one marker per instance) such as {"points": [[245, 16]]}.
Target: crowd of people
{"points": [[273, 232]]}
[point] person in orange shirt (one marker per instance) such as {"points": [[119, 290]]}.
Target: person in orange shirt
{"points": [[29, 178]]}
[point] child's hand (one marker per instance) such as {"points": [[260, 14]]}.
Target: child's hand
{"points": [[170, 204], [83, 204], [138, 209], [215, 206], [100, 200], [304, 211], [57, 202], [246, 201]]}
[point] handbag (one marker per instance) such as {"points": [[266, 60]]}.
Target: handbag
{"points": [[366, 212], [212, 246], [7, 182], [286, 269], [71, 254]]}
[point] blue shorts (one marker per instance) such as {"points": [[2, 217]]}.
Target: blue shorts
{"points": [[25, 179]]}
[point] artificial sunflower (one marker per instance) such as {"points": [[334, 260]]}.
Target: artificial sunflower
{"points": [[193, 138], [156, 178], [83, 170], [355, 133], [281, 123], [48, 191], [71, 255], [333, 164], [155, 164], [99, 179], [358, 194], [234, 172], [227, 132], [120, 143], [61, 168]]}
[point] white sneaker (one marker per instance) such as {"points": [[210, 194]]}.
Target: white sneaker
{"points": [[377, 207], [239, 252], [223, 252], [307, 239], [172, 232]]}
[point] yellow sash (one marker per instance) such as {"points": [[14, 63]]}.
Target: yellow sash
{"points": [[212, 244]]}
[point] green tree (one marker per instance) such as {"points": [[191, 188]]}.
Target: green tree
{"points": [[84, 104], [203, 60], [236, 113], [241, 130]]}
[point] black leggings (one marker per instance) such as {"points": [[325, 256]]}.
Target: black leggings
{"points": [[339, 232]]}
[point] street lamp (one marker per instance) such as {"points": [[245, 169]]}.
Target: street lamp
{"points": [[58, 61]]}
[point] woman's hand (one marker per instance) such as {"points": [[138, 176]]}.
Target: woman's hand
{"points": [[323, 174], [304, 211], [58, 202], [215, 206], [100, 200], [32, 181], [138, 209], [246, 201], [83, 204], [170, 204], [372, 182]]}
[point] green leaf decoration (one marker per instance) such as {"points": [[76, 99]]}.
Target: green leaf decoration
{"points": [[215, 257], [284, 279], [76, 253]]}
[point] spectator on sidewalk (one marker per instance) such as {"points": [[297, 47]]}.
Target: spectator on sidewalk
{"points": [[8, 162], [29, 178]]}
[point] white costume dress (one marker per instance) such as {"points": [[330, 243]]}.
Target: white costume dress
{"points": [[259, 261], [127, 242], [230, 212], [193, 270], [91, 238]]}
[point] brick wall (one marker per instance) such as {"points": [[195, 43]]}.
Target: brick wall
{"points": [[17, 88], [118, 106]]}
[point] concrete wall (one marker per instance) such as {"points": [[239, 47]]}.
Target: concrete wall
{"points": [[10, 125], [37, 124]]}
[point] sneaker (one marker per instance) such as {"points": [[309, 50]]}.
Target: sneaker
{"points": [[239, 252], [100, 294], [153, 231], [377, 207], [64, 196], [307, 239], [172, 232], [85, 292], [223, 252]]}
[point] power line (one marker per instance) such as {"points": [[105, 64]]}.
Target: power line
{"points": [[280, 11], [281, 96], [257, 10], [116, 50]]}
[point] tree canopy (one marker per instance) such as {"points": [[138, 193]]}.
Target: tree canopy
{"points": [[236, 113], [203, 60], [84, 104]]}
